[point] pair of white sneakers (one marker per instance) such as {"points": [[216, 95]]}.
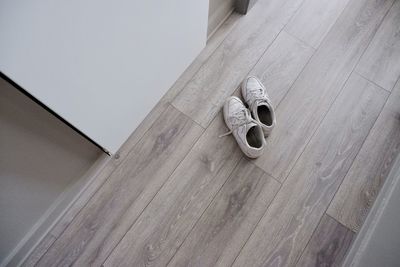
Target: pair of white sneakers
{"points": [[250, 127]]}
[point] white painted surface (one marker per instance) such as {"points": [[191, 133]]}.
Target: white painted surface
{"points": [[40, 159], [100, 64]]}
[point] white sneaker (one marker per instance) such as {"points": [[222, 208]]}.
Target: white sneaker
{"points": [[256, 97], [247, 131]]}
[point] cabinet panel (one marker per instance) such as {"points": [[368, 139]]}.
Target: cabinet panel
{"points": [[100, 65]]}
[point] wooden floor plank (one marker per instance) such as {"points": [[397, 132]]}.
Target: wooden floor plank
{"points": [[111, 211], [230, 219], [328, 245], [314, 20], [371, 167], [307, 102], [381, 61], [289, 222], [204, 95], [163, 226], [281, 64]]}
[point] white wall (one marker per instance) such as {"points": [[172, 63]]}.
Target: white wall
{"points": [[100, 64], [39, 158]]}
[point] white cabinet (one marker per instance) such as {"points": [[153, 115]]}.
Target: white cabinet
{"points": [[101, 65]]}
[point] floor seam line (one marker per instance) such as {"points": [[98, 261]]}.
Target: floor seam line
{"points": [[280, 184], [325, 211], [209, 204], [355, 157], [380, 112], [255, 226], [188, 117], [264, 172], [308, 241], [374, 83], [253, 66], [100, 186], [339, 222], [208, 58], [299, 40], [158, 191]]}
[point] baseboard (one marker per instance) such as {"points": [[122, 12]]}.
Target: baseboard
{"points": [[220, 24], [53, 214]]}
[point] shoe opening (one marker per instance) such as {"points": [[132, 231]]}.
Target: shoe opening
{"points": [[255, 137], [265, 115]]}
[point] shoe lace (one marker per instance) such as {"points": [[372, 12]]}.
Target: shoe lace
{"points": [[257, 96], [240, 118]]}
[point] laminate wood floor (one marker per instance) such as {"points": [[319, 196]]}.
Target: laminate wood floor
{"points": [[177, 195]]}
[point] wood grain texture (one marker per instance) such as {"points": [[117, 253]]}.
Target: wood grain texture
{"points": [[314, 20], [371, 167], [163, 226], [328, 245], [307, 102], [281, 64], [204, 95], [100, 225], [230, 219], [297, 208], [39, 251], [381, 61]]}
